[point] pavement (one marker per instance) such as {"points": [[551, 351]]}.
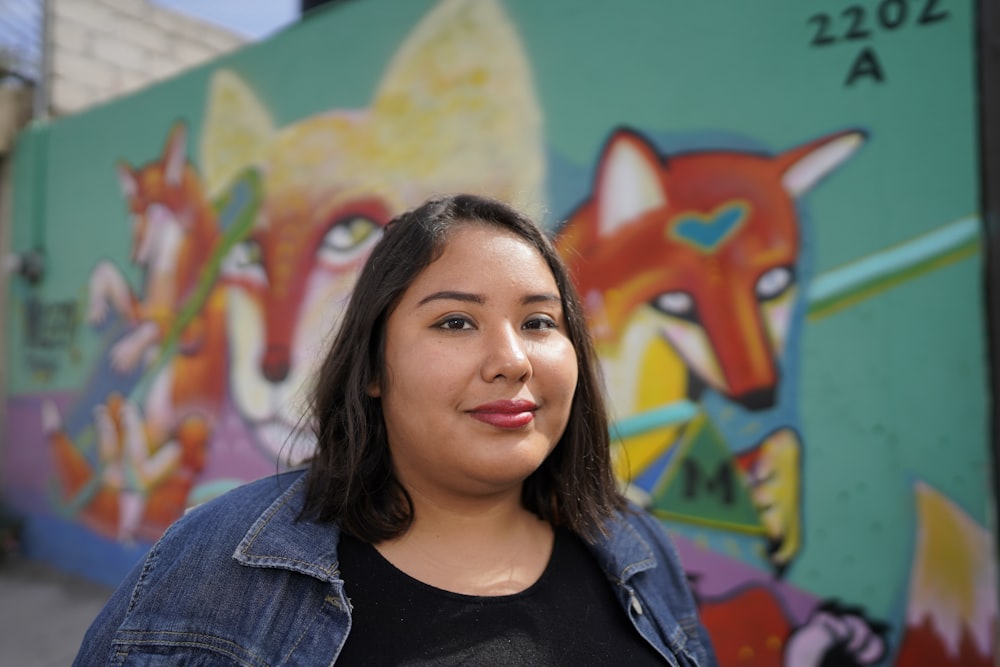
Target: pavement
{"points": [[44, 613]]}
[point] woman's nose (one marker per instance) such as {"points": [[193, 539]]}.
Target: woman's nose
{"points": [[506, 357]]}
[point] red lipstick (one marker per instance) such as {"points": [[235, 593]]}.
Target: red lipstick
{"points": [[505, 414]]}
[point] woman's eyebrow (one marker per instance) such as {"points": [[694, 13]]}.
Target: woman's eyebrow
{"points": [[452, 296], [541, 298], [467, 297]]}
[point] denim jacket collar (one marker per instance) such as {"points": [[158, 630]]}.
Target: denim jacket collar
{"points": [[279, 539], [622, 552]]}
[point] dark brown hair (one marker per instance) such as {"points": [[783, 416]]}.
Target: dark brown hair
{"points": [[351, 478]]}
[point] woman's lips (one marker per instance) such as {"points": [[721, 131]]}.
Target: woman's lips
{"points": [[505, 414]]}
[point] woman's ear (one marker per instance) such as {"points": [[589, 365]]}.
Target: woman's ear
{"points": [[373, 389]]}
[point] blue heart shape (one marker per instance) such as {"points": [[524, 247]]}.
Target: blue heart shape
{"points": [[708, 232]]}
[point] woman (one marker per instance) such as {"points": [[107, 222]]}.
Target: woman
{"points": [[460, 508]]}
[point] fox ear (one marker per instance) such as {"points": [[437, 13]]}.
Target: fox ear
{"points": [[801, 168], [628, 181], [459, 96], [127, 180], [235, 134]]}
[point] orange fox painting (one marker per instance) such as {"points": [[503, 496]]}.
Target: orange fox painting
{"points": [[688, 268]]}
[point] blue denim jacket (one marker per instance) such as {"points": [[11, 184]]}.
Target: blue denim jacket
{"points": [[212, 592]]}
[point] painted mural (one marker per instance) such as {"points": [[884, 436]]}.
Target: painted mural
{"points": [[771, 268]]}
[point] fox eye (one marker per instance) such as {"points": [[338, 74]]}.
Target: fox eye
{"points": [[245, 260], [774, 283], [678, 304], [348, 239]]}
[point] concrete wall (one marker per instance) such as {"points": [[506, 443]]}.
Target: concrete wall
{"points": [[103, 49]]}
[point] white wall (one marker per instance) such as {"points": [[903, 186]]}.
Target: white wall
{"points": [[106, 48]]}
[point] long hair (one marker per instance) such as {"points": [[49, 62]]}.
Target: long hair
{"points": [[351, 479]]}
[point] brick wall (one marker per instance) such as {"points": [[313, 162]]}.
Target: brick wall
{"points": [[106, 48]]}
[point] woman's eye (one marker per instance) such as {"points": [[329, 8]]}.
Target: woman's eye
{"points": [[541, 323], [455, 324]]}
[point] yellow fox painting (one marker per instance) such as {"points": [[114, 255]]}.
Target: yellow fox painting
{"points": [[455, 111]]}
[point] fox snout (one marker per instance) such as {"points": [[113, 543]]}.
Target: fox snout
{"points": [[274, 365]]}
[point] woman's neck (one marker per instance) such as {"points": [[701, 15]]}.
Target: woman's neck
{"points": [[482, 546]]}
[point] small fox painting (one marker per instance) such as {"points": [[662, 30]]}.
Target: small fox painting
{"points": [[688, 269], [174, 232], [148, 455]]}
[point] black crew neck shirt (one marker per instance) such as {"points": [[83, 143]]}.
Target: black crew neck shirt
{"points": [[568, 617]]}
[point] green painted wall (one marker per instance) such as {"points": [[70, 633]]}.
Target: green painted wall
{"points": [[883, 372]]}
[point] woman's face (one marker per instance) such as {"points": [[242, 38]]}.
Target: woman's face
{"points": [[480, 372]]}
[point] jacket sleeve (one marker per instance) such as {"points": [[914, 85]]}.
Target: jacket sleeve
{"points": [[96, 647]]}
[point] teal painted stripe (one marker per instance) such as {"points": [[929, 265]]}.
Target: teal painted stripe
{"points": [[886, 263], [666, 415]]}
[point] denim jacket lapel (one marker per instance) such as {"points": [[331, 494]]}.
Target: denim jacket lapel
{"points": [[279, 539]]}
